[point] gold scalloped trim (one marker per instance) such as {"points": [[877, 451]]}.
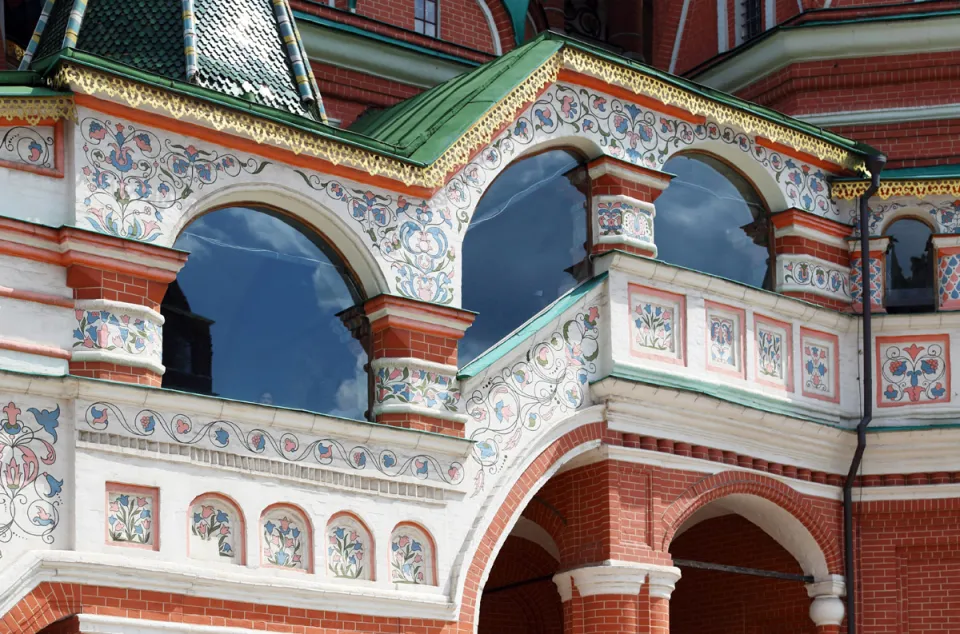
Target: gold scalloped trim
{"points": [[639, 83], [849, 190], [34, 109]]}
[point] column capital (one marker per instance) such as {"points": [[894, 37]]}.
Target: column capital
{"points": [[827, 608], [617, 577]]}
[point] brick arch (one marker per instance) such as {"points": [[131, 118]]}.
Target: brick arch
{"points": [[733, 483], [513, 505], [45, 604]]}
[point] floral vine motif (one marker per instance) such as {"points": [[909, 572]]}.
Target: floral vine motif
{"points": [[130, 518], [134, 179], [654, 326], [345, 553], [919, 373], [210, 522], [103, 330], [407, 560], [629, 132], [29, 146], [722, 334], [28, 498], [551, 379], [770, 353], [283, 543], [817, 276], [416, 387], [816, 365], [325, 451], [945, 213], [410, 236]]}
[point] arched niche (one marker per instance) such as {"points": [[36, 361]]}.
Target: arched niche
{"points": [[526, 244], [350, 548], [286, 538], [216, 530], [713, 219], [253, 315], [413, 556]]}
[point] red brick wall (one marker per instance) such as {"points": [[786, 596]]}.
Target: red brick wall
{"points": [[911, 144], [347, 93], [699, 39], [525, 609], [711, 602], [909, 566]]}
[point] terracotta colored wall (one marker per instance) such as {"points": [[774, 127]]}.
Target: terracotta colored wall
{"points": [[347, 94], [699, 41], [711, 602], [529, 608], [911, 144]]}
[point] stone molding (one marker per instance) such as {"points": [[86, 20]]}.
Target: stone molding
{"points": [[617, 577]]}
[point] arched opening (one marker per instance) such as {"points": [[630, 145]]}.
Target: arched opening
{"points": [[252, 316], [712, 219], [909, 279], [526, 245], [745, 563]]}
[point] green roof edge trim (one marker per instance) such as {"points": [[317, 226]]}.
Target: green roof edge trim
{"points": [[726, 393], [347, 28], [529, 328]]}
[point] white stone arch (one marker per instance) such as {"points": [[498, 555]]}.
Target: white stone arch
{"points": [[368, 270], [756, 174], [780, 524], [913, 209]]}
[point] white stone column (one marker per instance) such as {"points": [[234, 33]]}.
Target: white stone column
{"points": [[827, 609]]}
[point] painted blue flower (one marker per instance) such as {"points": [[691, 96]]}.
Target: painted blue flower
{"points": [[388, 461], [226, 548], [124, 500], [633, 110], [891, 392], [282, 558], [138, 530], [339, 532], [197, 518], [222, 437], [55, 485], [416, 547], [145, 514], [222, 518], [269, 526]]}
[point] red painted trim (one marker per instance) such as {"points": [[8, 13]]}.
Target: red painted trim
{"points": [[835, 343], [680, 337], [36, 297], [371, 555], [742, 346], [791, 217], [58, 149], [943, 340], [155, 523], [801, 156], [573, 77], [787, 386], [38, 349], [429, 538], [242, 144], [236, 507], [308, 531], [663, 177]]}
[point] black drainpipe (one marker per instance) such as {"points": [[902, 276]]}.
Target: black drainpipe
{"points": [[875, 164]]}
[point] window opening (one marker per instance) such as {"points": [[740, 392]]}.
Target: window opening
{"points": [[909, 282], [425, 18], [751, 18]]}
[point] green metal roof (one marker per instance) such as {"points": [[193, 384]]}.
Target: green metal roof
{"points": [[932, 172], [239, 45]]}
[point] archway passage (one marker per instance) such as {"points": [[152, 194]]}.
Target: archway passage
{"points": [[520, 596], [710, 601]]}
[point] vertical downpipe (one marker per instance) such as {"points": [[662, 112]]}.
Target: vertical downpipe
{"points": [[875, 164]]}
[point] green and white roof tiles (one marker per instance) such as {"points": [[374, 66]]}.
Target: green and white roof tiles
{"points": [[246, 49]]}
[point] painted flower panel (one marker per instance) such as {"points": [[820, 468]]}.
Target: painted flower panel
{"points": [[656, 324], [724, 339], [348, 549], [819, 365], [913, 370], [215, 531], [285, 541], [131, 517], [411, 557], [773, 352]]}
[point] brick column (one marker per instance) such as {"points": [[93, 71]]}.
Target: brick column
{"points": [[612, 598], [414, 362], [878, 261], [827, 610], [622, 209], [118, 286], [813, 260], [947, 254]]}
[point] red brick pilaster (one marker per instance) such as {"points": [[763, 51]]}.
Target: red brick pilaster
{"points": [[622, 209], [813, 259], [413, 357]]}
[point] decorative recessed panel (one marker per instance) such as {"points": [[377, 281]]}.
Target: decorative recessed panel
{"points": [[132, 516], [285, 539], [876, 282], [411, 556], [773, 356], [913, 370], [948, 279], [725, 340], [657, 321], [819, 365], [805, 274], [622, 219], [216, 530], [349, 548]]}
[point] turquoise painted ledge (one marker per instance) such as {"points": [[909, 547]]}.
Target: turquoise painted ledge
{"points": [[531, 327]]}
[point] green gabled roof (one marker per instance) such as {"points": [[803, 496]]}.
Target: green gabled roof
{"points": [[423, 126], [240, 47]]}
